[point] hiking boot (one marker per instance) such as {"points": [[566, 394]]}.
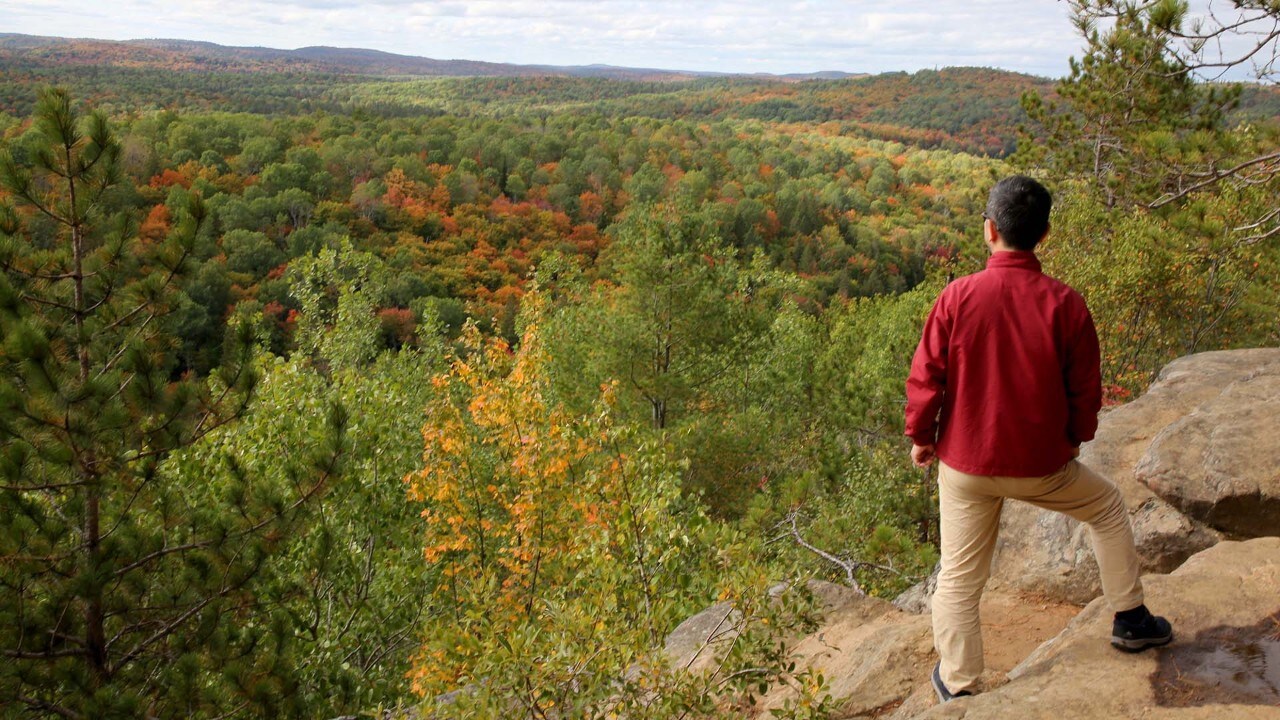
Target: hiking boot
{"points": [[944, 695], [1138, 635]]}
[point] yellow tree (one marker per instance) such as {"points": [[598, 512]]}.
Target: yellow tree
{"points": [[521, 502], [565, 552]]}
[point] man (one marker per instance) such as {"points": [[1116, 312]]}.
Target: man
{"points": [[1004, 388]]}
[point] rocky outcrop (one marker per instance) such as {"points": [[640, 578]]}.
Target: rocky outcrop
{"points": [[870, 653], [1197, 461], [697, 643], [1224, 663], [874, 655], [1155, 439]]}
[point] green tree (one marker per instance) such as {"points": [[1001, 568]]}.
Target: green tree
{"points": [[840, 479], [680, 315], [124, 592], [1153, 299], [678, 329], [1223, 40], [338, 288], [647, 184], [251, 254], [351, 588]]}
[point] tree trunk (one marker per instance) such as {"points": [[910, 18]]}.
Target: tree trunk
{"points": [[95, 631]]}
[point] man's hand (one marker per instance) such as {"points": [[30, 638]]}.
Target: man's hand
{"points": [[922, 455]]}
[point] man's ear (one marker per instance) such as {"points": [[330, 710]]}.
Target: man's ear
{"points": [[989, 231]]}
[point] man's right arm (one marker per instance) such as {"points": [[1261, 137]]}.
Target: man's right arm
{"points": [[1083, 377], [926, 384]]}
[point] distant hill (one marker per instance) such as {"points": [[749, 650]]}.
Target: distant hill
{"points": [[971, 109], [193, 55]]}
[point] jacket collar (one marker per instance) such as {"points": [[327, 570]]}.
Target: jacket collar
{"points": [[1017, 259]]}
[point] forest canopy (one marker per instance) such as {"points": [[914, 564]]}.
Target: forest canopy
{"points": [[326, 394]]}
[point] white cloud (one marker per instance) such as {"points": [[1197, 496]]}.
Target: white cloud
{"points": [[849, 35]]}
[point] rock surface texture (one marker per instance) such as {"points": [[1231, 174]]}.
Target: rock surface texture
{"points": [[1195, 456], [1224, 662], [696, 643], [1220, 464], [870, 653]]}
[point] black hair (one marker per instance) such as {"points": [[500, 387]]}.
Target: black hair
{"points": [[1019, 206]]}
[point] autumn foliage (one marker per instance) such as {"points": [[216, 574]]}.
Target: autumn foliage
{"points": [[522, 503], [647, 330], [567, 553]]}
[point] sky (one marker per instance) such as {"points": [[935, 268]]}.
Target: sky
{"points": [[779, 36]]}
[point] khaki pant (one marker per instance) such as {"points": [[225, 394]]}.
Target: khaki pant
{"points": [[970, 518]]}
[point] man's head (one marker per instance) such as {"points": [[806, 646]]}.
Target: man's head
{"points": [[1019, 208]]}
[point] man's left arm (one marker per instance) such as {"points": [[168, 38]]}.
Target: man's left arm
{"points": [[926, 384]]}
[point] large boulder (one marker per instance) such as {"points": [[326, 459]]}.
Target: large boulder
{"points": [[1224, 662], [1049, 553], [919, 597], [695, 644], [1220, 464]]}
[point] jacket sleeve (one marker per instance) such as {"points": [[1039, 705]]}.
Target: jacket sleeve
{"points": [[1083, 378], [927, 383]]}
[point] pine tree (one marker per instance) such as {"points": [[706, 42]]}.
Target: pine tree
{"points": [[122, 593], [1132, 119], [1177, 200], [1198, 51]]}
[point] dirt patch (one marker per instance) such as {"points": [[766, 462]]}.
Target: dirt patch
{"points": [[1014, 625], [1223, 664]]}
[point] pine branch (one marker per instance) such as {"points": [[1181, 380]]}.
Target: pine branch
{"points": [[169, 628], [42, 655], [326, 473], [43, 487], [49, 303]]}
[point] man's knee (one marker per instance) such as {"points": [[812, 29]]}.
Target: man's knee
{"points": [[959, 589], [1112, 510], [1107, 507]]}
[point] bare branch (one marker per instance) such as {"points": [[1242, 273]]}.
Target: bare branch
{"points": [[49, 707], [1211, 176], [845, 565]]}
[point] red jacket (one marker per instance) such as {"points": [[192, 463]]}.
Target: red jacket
{"points": [[1005, 380]]}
